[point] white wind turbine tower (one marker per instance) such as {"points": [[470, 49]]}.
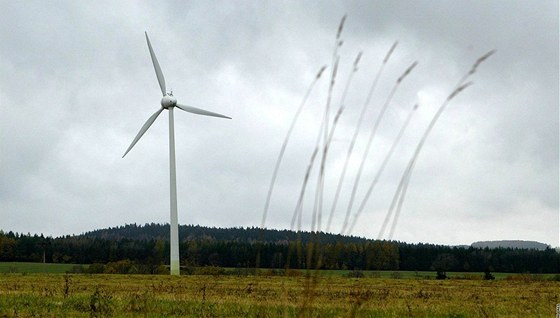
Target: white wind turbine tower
{"points": [[168, 101]]}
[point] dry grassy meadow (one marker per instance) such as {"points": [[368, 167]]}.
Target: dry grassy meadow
{"points": [[59, 295]]}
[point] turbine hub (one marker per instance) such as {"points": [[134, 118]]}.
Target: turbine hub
{"points": [[168, 101]]}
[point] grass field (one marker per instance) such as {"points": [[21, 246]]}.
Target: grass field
{"points": [[60, 295], [23, 267], [31, 268]]}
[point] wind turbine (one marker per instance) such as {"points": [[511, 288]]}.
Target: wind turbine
{"points": [[168, 101]]}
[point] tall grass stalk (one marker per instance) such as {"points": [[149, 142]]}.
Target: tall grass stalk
{"points": [[357, 130], [285, 144], [310, 254], [299, 205], [326, 147], [394, 202], [314, 252], [318, 206], [339, 113], [281, 154], [298, 211], [405, 179], [369, 141], [382, 168]]}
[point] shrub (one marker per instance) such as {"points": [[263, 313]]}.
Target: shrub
{"points": [[441, 275], [488, 276], [210, 270], [95, 268], [77, 269], [355, 274]]}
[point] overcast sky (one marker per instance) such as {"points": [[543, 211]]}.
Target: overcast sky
{"points": [[77, 83]]}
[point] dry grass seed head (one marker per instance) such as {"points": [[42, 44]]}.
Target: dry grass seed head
{"points": [[480, 60], [321, 71], [340, 26], [335, 70], [408, 70], [357, 60], [458, 90], [390, 52]]}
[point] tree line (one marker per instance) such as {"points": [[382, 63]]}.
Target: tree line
{"points": [[147, 245]]}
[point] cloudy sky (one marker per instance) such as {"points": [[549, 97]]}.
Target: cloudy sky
{"points": [[77, 83]]}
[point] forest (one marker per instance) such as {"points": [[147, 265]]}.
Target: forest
{"points": [[147, 245]]}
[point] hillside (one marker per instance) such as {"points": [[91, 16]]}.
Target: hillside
{"points": [[155, 231], [516, 244]]}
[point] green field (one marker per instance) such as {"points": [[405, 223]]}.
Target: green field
{"points": [[73, 295], [23, 267], [30, 268]]}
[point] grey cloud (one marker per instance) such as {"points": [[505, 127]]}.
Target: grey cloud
{"points": [[81, 84]]}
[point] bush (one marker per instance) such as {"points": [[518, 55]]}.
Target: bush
{"points": [[77, 269], [210, 270], [161, 270], [488, 276], [441, 275], [95, 268], [355, 274], [187, 269], [118, 267]]}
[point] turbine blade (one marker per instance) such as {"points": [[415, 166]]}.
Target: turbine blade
{"points": [[159, 74], [144, 128], [199, 111]]}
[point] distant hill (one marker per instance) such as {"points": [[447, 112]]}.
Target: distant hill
{"points": [[531, 245], [154, 231]]}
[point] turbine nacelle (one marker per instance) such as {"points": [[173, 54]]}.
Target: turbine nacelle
{"points": [[168, 101]]}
